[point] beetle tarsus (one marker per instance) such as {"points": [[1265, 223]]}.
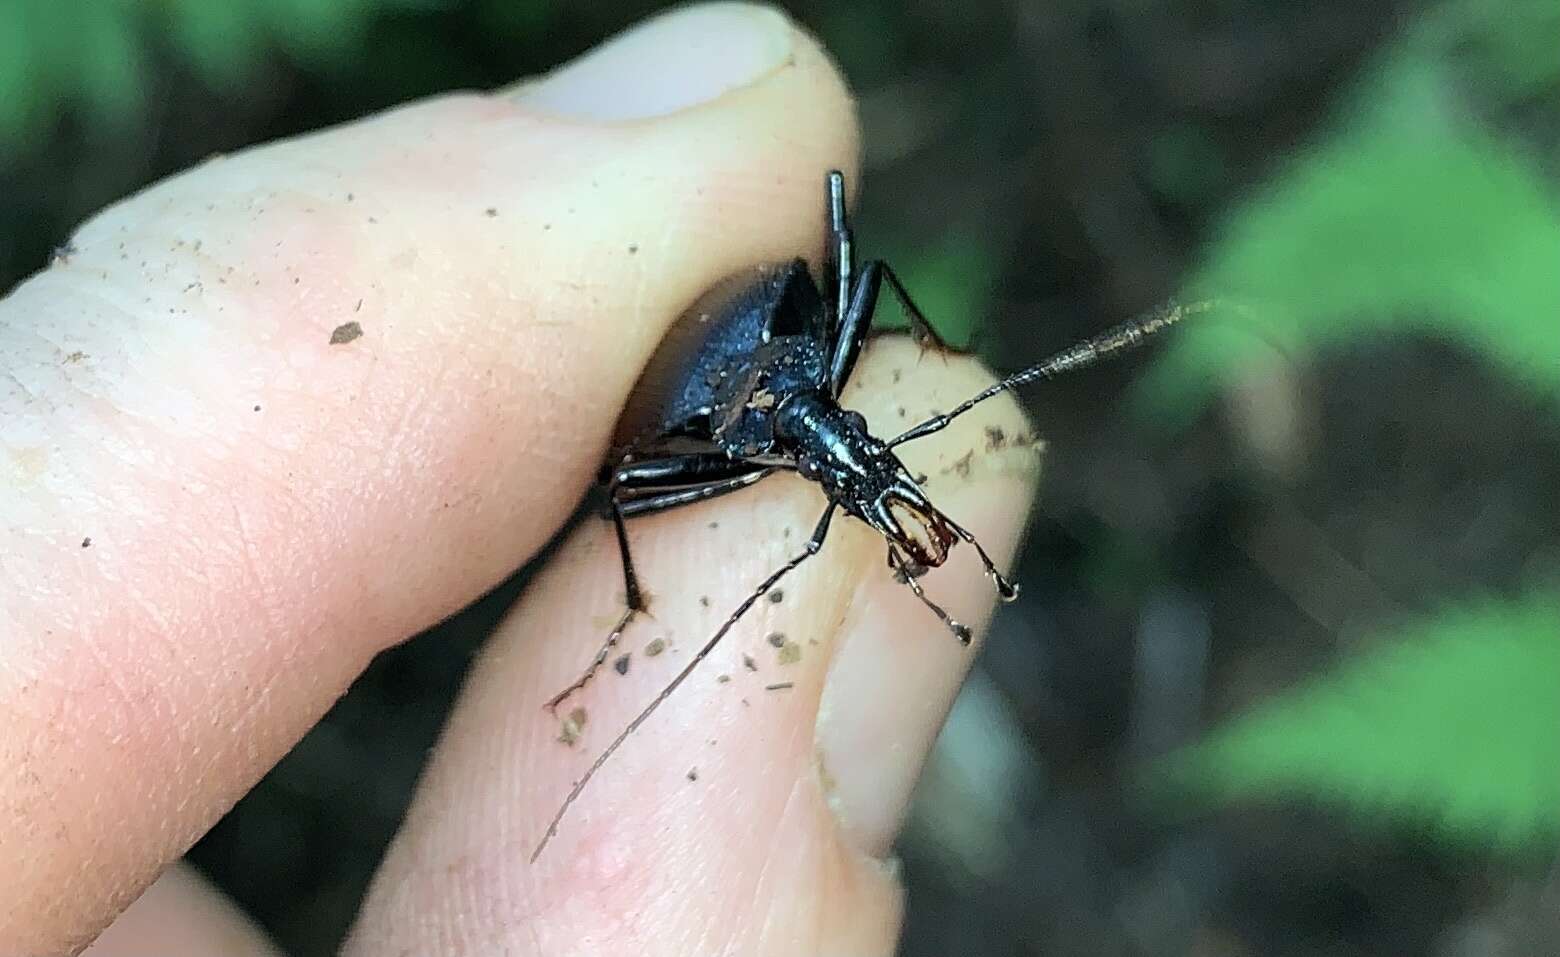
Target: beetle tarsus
{"points": [[903, 573], [601, 658], [1007, 590]]}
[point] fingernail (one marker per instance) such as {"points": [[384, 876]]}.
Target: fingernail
{"points": [[666, 64]]}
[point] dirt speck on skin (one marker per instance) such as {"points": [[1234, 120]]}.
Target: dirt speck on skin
{"points": [[825, 776], [490, 212], [790, 653], [655, 647], [569, 730], [76, 356], [995, 438], [714, 525], [749, 663], [961, 467], [898, 374], [776, 639], [777, 596], [86, 542], [633, 248], [781, 686], [704, 601], [722, 679], [621, 665], [693, 774], [346, 332]]}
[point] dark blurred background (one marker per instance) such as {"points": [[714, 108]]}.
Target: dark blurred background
{"points": [[1285, 678]]}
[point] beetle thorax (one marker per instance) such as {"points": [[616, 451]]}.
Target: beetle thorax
{"points": [[832, 447]]}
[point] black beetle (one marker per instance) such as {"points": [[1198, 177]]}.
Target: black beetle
{"points": [[747, 383]]}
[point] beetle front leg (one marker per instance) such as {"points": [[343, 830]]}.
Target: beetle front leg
{"points": [[905, 572]]}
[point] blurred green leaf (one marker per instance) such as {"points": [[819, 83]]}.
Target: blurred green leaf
{"points": [[318, 31], [223, 41], [1407, 215], [15, 68], [1510, 48], [1456, 726], [92, 53], [111, 59]]}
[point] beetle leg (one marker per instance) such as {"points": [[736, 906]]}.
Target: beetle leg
{"points": [[857, 322], [925, 336], [625, 480], [814, 545], [650, 504], [839, 257], [854, 326], [633, 598], [905, 573], [1006, 590]]}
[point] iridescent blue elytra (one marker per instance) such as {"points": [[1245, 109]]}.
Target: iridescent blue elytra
{"points": [[754, 338]]}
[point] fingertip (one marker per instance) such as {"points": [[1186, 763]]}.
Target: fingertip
{"points": [[732, 783], [340, 351], [898, 669], [181, 915]]}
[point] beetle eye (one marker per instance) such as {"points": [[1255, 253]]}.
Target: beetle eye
{"points": [[807, 470], [856, 420]]}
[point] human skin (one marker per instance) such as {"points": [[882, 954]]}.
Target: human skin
{"points": [[216, 516]]}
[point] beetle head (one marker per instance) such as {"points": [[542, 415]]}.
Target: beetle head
{"points": [[911, 522]]}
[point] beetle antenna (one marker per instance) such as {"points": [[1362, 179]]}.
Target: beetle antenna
{"points": [[813, 545], [1128, 335]]}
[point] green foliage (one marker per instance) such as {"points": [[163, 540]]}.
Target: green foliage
{"points": [[1456, 726], [89, 55], [1406, 214]]}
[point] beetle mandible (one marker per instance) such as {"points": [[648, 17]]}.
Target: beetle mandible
{"points": [[747, 383]]}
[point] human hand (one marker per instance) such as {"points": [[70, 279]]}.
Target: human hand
{"points": [[217, 516]]}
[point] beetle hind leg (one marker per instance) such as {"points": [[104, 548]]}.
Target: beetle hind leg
{"points": [[633, 597], [647, 487]]}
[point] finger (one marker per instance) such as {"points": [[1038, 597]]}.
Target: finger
{"points": [[281, 411], [713, 830], [181, 916]]}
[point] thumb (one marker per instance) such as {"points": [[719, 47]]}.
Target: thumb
{"points": [[283, 410], [753, 813]]}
